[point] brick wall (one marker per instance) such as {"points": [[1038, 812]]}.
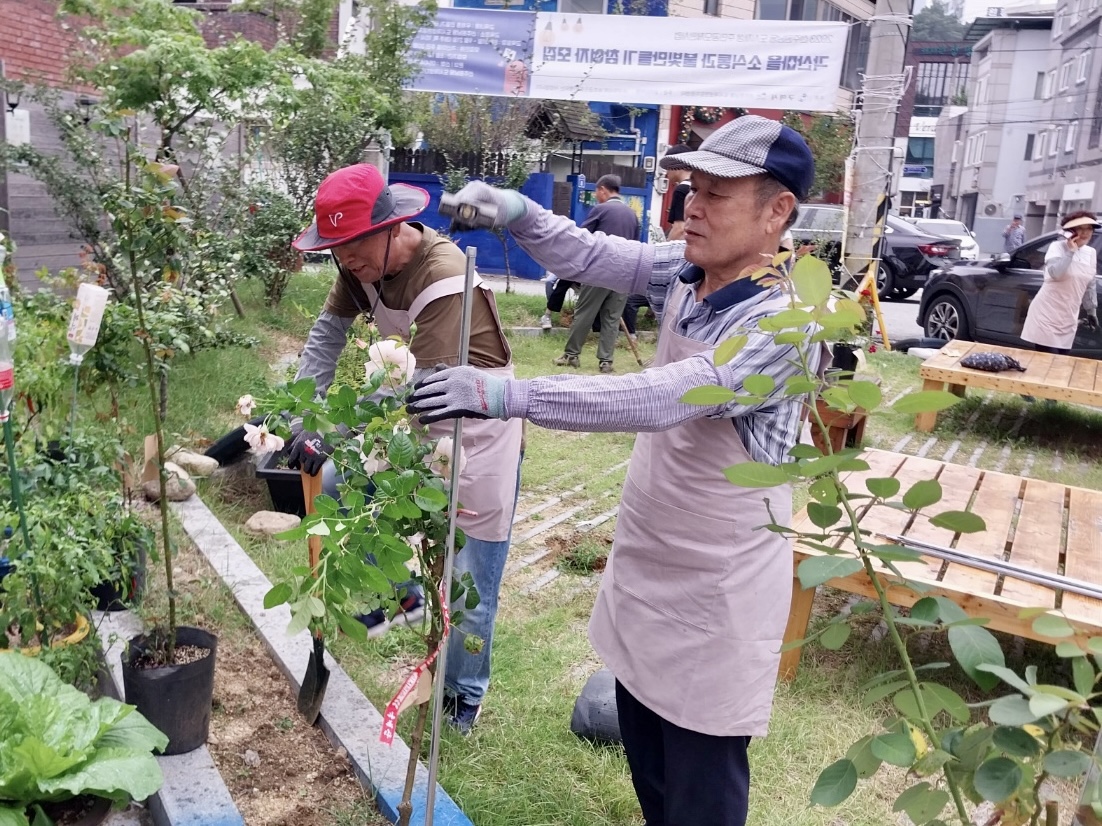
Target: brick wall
{"points": [[33, 43]]}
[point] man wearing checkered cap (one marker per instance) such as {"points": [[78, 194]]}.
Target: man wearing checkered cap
{"points": [[694, 601]]}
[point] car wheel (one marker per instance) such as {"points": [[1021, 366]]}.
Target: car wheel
{"points": [[885, 281], [945, 319], [903, 293]]}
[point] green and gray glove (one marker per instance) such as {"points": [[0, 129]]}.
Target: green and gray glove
{"points": [[458, 393]]}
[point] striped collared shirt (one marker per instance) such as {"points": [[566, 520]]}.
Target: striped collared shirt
{"points": [[650, 400]]}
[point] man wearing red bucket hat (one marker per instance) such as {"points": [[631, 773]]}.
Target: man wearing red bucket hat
{"points": [[395, 271]]}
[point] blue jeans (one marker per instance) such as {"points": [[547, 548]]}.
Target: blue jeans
{"points": [[467, 675]]}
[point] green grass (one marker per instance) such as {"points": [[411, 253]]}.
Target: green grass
{"points": [[522, 765]]}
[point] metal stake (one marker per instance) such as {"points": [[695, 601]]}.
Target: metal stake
{"points": [[449, 547]]}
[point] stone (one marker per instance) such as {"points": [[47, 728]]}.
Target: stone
{"points": [[269, 523], [252, 759], [194, 463], [178, 485]]}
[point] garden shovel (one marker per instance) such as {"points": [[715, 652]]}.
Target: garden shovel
{"points": [[312, 692]]}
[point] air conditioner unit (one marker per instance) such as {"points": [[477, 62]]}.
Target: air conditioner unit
{"points": [[991, 210]]}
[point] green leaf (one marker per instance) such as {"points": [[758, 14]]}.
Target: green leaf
{"points": [[1069, 650], [708, 395], [798, 385], [959, 521], [401, 450], [1067, 763], [885, 487], [1015, 742], [922, 494], [790, 318], [1008, 677], [430, 499], [865, 394], [278, 595], [925, 609], [997, 779], [835, 636], [895, 748], [835, 783], [878, 693], [352, 627], [974, 646], [1082, 671], [921, 802], [811, 277], [860, 754], [759, 385], [791, 337], [1052, 625], [815, 570], [925, 401], [1012, 710], [755, 475], [1042, 705], [949, 701], [802, 451], [824, 490], [728, 349], [1094, 645], [823, 516]]}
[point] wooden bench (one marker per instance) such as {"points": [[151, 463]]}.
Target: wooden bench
{"points": [[1063, 378], [1041, 525]]}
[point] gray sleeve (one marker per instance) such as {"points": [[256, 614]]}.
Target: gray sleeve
{"points": [[574, 254], [324, 346]]}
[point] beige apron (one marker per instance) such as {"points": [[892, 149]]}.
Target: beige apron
{"points": [[488, 484], [694, 601], [1053, 315]]}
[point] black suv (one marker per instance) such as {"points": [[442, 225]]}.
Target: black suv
{"points": [[910, 254], [987, 301]]}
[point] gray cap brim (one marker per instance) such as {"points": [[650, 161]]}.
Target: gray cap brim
{"points": [[712, 163]]}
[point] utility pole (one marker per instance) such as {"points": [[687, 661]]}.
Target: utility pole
{"points": [[882, 89]]}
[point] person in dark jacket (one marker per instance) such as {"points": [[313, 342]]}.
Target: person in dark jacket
{"points": [[612, 217]]}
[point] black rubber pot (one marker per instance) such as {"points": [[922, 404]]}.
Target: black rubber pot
{"points": [[843, 358], [118, 595], [177, 698], [284, 484]]}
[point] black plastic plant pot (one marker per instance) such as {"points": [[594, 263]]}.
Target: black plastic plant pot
{"points": [[284, 484], [844, 358], [176, 698], [120, 595]]}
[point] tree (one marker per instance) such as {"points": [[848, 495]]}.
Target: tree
{"points": [[830, 138], [934, 23]]}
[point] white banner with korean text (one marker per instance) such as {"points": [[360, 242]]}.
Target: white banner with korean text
{"points": [[773, 64]]}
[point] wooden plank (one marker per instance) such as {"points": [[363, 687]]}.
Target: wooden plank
{"points": [[996, 501], [1037, 541], [1032, 382], [881, 463], [957, 484], [1082, 374], [1084, 554], [1059, 374]]}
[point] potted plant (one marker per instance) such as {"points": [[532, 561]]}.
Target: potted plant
{"points": [[392, 514], [60, 751]]}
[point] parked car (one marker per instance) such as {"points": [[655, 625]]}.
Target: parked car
{"points": [[969, 246], [910, 254], [987, 300]]}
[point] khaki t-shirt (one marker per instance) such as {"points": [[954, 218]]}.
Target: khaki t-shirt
{"points": [[437, 339]]}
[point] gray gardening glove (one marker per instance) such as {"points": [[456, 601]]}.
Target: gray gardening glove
{"points": [[458, 392], [509, 204]]}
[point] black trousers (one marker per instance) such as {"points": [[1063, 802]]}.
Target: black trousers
{"points": [[631, 310], [1056, 351], [557, 295], [682, 777]]}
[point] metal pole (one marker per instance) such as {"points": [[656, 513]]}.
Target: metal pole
{"points": [[998, 566], [449, 547]]}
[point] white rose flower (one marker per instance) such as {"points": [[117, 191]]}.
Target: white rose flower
{"points": [[245, 405], [373, 460], [262, 440], [402, 427], [392, 357], [440, 460]]}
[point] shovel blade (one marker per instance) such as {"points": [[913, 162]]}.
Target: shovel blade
{"points": [[312, 693]]}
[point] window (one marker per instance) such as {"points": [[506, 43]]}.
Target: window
{"points": [[1054, 144], [1029, 140], [1042, 145], [1073, 135], [1065, 76], [1081, 66], [1057, 25], [981, 90], [582, 6], [919, 162], [711, 7], [1050, 84], [973, 153], [1039, 87]]}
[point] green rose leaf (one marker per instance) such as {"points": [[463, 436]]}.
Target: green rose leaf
{"points": [[278, 595], [759, 385], [835, 636], [1011, 711], [885, 487], [926, 609], [1052, 625], [823, 516], [729, 348], [860, 754], [811, 277], [895, 748], [815, 570], [708, 395], [922, 494], [925, 401], [997, 779], [1042, 705], [1083, 676], [974, 646], [835, 783], [865, 394], [921, 802], [959, 521], [1067, 763], [1015, 742], [755, 475], [430, 499]]}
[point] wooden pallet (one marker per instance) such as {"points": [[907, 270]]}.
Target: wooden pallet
{"points": [[1051, 527], [1064, 378]]}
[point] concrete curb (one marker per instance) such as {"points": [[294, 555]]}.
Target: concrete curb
{"points": [[193, 793], [347, 718]]}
